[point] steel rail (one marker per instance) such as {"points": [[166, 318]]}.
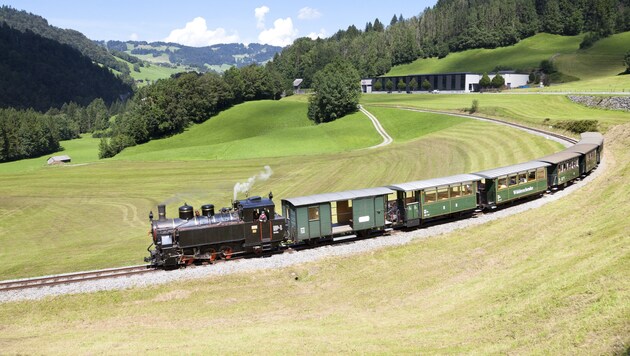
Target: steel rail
{"points": [[68, 278]]}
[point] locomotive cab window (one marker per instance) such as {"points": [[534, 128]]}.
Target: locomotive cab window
{"points": [[313, 213]]}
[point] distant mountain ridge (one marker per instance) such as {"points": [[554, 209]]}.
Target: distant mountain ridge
{"points": [[213, 57]]}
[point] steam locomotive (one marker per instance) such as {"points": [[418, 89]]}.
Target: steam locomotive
{"points": [[253, 225]]}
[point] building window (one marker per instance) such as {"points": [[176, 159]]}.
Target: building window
{"points": [[313, 213]]}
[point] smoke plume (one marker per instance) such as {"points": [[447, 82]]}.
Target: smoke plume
{"points": [[245, 186]]}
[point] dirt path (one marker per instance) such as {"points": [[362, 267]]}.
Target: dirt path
{"points": [[387, 139]]}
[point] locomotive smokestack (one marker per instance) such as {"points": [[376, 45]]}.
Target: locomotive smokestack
{"points": [[161, 212]]}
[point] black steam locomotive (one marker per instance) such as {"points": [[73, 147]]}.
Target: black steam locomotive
{"points": [[251, 225]]}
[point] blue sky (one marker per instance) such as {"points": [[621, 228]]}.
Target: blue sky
{"points": [[202, 23]]}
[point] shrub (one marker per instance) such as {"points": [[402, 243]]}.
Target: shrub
{"points": [[578, 126]]}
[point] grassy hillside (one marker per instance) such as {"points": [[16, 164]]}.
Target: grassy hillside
{"points": [[597, 67], [548, 281], [260, 129], [522, 56], [604, 59], [61, 213]]}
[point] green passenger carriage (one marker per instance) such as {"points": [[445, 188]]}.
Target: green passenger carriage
{"points": [[334, 214], [507, 184], [588, 158], [594, 138], [564, 167], [423, 200]]}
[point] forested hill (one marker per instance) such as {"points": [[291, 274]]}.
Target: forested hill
{"points": [[39, 73], [22, 20], [452, 26]]}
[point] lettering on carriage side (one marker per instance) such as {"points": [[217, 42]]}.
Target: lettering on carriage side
{"points": [[426, 212], [277, 229], [521, 191], [302, 230], [363, 219]]}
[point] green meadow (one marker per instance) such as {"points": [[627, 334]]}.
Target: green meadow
{"points": [[94, 213], [547, 281]]}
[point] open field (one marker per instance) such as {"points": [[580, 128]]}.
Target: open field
{"points": [[93, 215], [551, 280], [531, 109], [151, 73]]}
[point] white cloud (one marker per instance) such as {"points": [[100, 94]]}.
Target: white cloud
{"points": [[260, 13], [282, 33], [321, 34], [308, 13], [197, 34], [133, 37]]}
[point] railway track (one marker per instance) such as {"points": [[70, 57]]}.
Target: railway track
{"points": [[502, 122], [69, 278]]}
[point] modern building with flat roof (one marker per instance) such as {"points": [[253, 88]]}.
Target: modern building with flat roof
{"points": [[446, 82]]}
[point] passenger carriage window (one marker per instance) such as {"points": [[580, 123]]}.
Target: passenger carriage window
{"points": [[313, 213], [442, 193], [541, 173], [531, 176], [429, 196], [513, 179], [522, 178], [411, 197], [467, 189], [456, 191], [503, 183]]}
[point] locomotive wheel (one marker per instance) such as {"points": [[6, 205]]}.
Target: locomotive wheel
{"points": [[226, 251], [213, 255]]}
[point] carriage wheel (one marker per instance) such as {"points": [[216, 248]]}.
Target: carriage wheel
{"points": [[226, 251]]}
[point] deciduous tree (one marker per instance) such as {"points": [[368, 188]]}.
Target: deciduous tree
{"points": [[337, 91]]}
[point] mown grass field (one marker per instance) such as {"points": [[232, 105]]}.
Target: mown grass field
{"points": [[531, 109], [548, 281], [93, 213]]}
